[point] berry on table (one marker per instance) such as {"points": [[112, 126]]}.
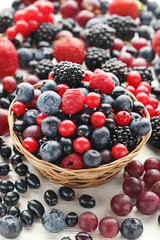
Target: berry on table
{"points": [[36, 208], [131, 228], [67, 193], [151, 176], [6, 186], [11, 198], [109, 227], [27, 217], [50, 197], [32, 180], [88, 222], [14, 211], [87, 201], [132, 187], [121, 204], [11, 226], [152, 163], [4, 169], [147, 203], [134, 169], [119, 150], [71, 219], [21, 186], [30, 144], [3, 210], [83, 235]]}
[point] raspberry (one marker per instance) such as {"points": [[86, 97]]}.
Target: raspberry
{"points": [[69, 49], [72, 161], [155, 42], [9, 58], [124, 8], [100, 80], [72, 101]]}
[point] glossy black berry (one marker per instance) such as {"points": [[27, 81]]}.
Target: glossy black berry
{"points": [[66, 145], [83, 236], [67, 193], [27, 217], [110, 123], [4, 169], [16, 151], [71, 219], [16, 159], [21, 169], [32, 180], [4, 103], [87, 201], [6, 151], [11, 198], [0, 199], [3, 210], [105, 108], [6, 186], [50, 197], [19, 126], [83, 130], [21, 186], [138, 107], [14, 211], [36, 208]]}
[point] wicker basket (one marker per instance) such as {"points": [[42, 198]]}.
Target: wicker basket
{"points": [[75, 178]]}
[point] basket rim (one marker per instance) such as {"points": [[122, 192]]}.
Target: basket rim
{"points": [[30, 157]]}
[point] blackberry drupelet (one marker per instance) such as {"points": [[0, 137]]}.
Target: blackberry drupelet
{"points": [[100, 35], [45, 32], [155, 136], [123, 134], [125, 26], [145, 72], [116, 67], [68, 73], [6, 20], [43, 68], [95, 57]]}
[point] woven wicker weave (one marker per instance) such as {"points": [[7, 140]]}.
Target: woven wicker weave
{"points": [[83, 178]]}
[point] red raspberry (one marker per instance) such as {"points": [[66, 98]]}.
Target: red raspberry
{"points": [[9, 58], [69, 49], [100, 80], [72, 101], [155, 42], [72, 161], [124, 8]]}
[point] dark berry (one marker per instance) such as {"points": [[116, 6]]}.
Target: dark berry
{"points": [[71, 219], [36, 208], [21, 169], [5, 151], [67, 193], [131, 228], [14, 211], [3, 210], [21, 186], [6, 186], [27, 217], [50, 197], [32, 180], [11, 198], [87, 201]]}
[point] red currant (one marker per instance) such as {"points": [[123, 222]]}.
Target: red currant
{"points": [[19, 15], [50, 76], [157, 112], [40, 118], [119, 150], [11, 32], [19, 108], [88, 222], [33, 25], [87, 76], [146, 84], [69, 9], [134, 78], [31, 13], [117, 44], [143, 98], [98, 119], [150, 110], [66, 128], [139, 43], [62, 88], [81, 144], [123, 118], [126, 58], [139, 62], [47, 8], [109, 227], [30, 144], [9, 84], [153, 102], [92, 100], [23, 28], [140, 89], [130, 89], [83, 17]]}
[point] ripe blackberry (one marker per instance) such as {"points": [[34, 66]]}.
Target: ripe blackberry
{"points": [[125, 26], [100, 35], [123, 134], [95, 57], [45, 32], [116, 67], [68, 73], [6, 20], [145, 72], [155, 136], [43, 68]]}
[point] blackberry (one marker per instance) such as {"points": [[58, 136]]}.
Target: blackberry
{"points": [[6, 20], [68, 73], [125, 26], [123, 134], [145, 72], [155, 136], [100, 35], [43, 68], [116, 67], [95, 57], [45, 32]]}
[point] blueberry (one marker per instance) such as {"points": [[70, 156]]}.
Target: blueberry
{"points": [[30, 117], [67, 193], [50, 151], [157, 69], [6, 186], [94, 21], [15, 159], [4, 169], [84, 91], [146, 17], [138, 107], [105, 108], [83, 130], [53, 220], [11, 198], [107, 99], [10, 226], [24, 92], [87, 201], [71, 219], [66, 145], [152, 6], [145, 31], [147, 53], [26, 45], [49, 102], [117, 91], [36, 208], [50, 197], [104, 6], [110, 123], [21, 169], [21, 186], [131, 228], [14, 211], [50, 126], [27, 217], [157, 12], [32, 180], [134, 115], [123, 102], [49, 85], [115, 78], [100, 137], [3, 210], [92, 158], [156, 25], [140, 126], [25, 55]]}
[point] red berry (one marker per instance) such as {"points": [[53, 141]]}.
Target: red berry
{"points": [[117, 44], [9, 84], [30, 144], [11, 32], [19, 15], [121, 204], [40, 117], [100, 80], [143, 98], [156, 188], [83, 17], [88, 222], [132, 187], [32, 79], [33, 131], [140, 89], [134, 169], [72, 161], [69, 9], [40, 18], [152, 163], [139, 62], [131, 89], [28, 2], [139, 43], [157, 113], [126, 58], [87, 76], [91, 5], [33, 25], [4, 127], [31, 13], [81, 144], [23, 28], [50, 76], [153, 102], [47, 8], [72, 101], [98, 119], [48, 18], [151, 176], [146, 84], [123, 118], [69, 49], [92, 100], [19, 108], [63, 33], [155, 42], [147, 203], [66, 128], [62, 88], [150, 110], [119, 150], [109, 227], [134, 78], [32, 103]]}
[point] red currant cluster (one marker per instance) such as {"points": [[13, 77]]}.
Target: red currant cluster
{"points": [[28, 19]]}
